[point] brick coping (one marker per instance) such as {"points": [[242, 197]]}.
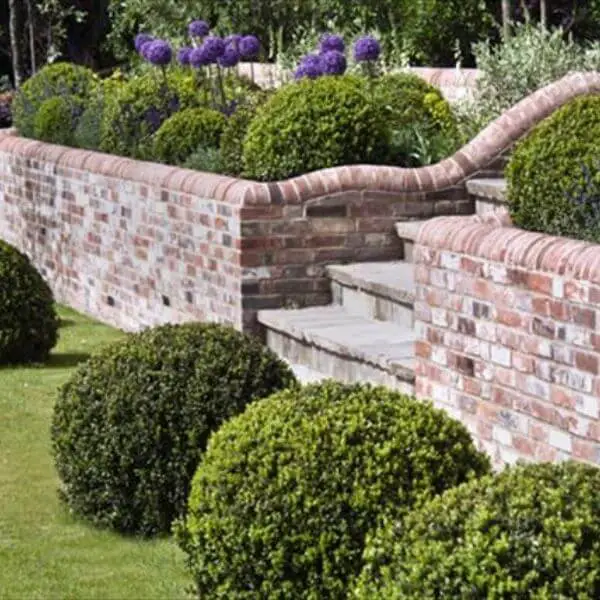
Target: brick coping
{"points": [[495, 139], [493, 237]]}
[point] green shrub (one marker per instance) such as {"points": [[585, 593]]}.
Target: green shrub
{"points": [[185, 131], [548, 168], [232, 139], [423, 126], [140, 107], [88, 130], [58, 79], [530, 59], [131, 424], [205, 159], [530, 532], [287, 491], [56, 119], [313, 125], [28, 321]]}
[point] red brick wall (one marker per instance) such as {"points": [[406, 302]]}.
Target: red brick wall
{"points": [[508, 335]]}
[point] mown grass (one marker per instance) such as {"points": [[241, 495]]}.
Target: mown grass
{"points": [[45, 552]]}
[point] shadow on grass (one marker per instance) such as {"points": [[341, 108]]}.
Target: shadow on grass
{"points": [[66, 359], [62, 323]]}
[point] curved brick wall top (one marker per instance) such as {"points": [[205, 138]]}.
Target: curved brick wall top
{"points": [[493, 238], [475, 156]]}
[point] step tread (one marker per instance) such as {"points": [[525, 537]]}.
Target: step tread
{"points": [[386, 345], [394, 279], [409, 230], [490, 189]]}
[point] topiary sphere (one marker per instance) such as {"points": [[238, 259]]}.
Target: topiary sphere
{"points": [[131, 424], [56, 120], [28, 320], [55, 80], [530, 532], [139, 109], [547, 168], [184, 132], [288, 491], [312, 125]]}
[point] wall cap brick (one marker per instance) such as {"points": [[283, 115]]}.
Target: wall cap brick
{"points": [[495, 139], [493, 238]]}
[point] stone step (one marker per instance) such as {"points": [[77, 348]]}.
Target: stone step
{"points": [[408, 232], [489, 194], [343, 346], [305, 375], [383, 291]]}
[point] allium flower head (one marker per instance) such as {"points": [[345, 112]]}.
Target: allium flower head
{"points": [[213, 47], [234, 38], [310, 66], [366, 49], [158, 52], [198, 29], [183, 56], [332, 42], [333, 62], [249, 46], [199, 58], [141, 39], [230, 56]]}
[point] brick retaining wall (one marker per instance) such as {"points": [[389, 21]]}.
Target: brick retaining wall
{"points": [[507, 323], [136, 243]]}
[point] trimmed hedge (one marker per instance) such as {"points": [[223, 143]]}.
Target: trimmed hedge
{"points": [[313, 125], [554, 173], [56, 120], [185, 131], [287, 492], [131, 424], [58, 79], [530, 532], [28, 320]]}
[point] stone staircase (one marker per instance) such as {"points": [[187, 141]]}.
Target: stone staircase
{"points": [[366, 334]]}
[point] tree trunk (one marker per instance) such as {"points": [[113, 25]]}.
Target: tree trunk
{"points": [[31, 22], [544, 14], [15, 41], [506, 17]]}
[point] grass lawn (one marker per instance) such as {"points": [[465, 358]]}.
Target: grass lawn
{"points": [[45, 553]]}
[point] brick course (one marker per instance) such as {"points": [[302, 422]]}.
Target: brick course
{"points": [[509, 344]]}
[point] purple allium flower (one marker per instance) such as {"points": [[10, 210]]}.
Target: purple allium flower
{"points": [[198, 29], [141, 39], [199, 58], [183, 56], [366, 49], [249, 46], [332, 42], [230, 56], [310, 66], [213, 47], [333, 62], [234, 38], [158, 53]]}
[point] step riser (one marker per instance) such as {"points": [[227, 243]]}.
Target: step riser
{"points": [[371, 306], [331, 365]]}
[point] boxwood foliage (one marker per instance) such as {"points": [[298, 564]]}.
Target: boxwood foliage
{"points": [[57, 118], [530, 532], [186, 131], [140, 107], [131, 424], [547, 187], [313, 125], [287, 492], [58, 79], [28, 320]]}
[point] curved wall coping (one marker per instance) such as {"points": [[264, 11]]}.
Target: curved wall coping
{"points": [[495, 139], [492, 237]]}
